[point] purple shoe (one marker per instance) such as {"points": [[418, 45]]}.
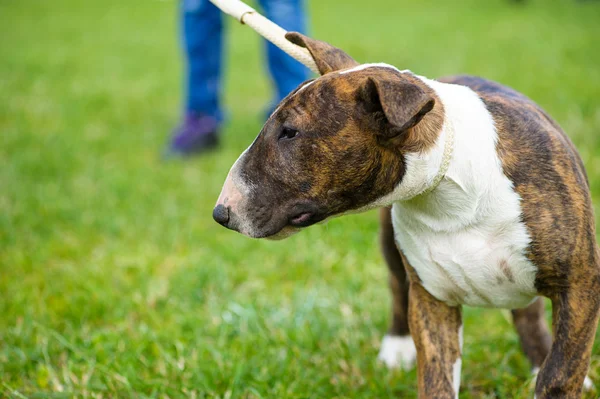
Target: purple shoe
{"points": [[197, 134]]}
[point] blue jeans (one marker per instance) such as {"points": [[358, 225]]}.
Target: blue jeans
{"points": [[203, 44]]}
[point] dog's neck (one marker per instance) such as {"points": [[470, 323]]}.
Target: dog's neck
{"points": [[439, 174], [425, 170], [464, 189]]}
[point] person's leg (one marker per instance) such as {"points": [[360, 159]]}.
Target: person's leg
{"points": [[286, 72], [203, 42], [202, 38]]}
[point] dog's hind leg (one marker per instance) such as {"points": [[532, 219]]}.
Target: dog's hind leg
{"points": [[533, 332], [397, 347]]}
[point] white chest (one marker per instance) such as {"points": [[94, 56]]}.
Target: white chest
{"points": [[482, 265]]}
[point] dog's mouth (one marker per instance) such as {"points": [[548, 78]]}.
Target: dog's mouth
{"points": [[303, 219], [295, 223], [300, 219], [305, 214]]}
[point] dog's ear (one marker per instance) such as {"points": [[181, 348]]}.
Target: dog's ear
{"points": [[327, 57], [402, 102]]}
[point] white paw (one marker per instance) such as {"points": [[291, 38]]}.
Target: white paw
{"points": [[398, 352], [588, 385]]}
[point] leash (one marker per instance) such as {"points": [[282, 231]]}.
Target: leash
{"points": [[267, 29]]}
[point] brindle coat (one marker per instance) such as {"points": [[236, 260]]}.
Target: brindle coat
{"points": [[356, 130], [549, 176]]}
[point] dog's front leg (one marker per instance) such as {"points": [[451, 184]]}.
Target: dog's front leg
{"points": [[575, 312], [437, 331]]}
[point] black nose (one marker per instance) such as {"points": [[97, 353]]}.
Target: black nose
{"points": [[221, 214]]}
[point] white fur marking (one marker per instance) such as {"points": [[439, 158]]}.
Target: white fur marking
{"points": [[458, 363], [398, 352], [365, 66], [456, 375], [245, 227], [465, 239], [588, 384]]}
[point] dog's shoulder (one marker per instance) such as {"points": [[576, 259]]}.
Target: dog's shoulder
{"points": [[484, 87], [530, 142], [508, 106]]}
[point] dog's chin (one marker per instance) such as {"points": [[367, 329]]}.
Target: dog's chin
{"points": [[284, 233]]}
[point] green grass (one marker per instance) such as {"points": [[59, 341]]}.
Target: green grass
{"points": [[115, 281]]}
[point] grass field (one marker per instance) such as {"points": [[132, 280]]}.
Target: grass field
{"points": [[115, 281]]}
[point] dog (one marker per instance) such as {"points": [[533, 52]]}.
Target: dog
{"points": [[484, 202]]}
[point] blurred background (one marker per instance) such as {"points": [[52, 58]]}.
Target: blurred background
{"points": [[114, 279]]}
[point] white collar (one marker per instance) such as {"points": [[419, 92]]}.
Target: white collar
{"points": [[417, 179], [445, 164]]}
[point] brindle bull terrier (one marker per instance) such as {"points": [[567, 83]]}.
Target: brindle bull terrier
{"points": [[485, 202]]}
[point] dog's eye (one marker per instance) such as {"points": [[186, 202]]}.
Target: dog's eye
{"points": [[288, 133]]}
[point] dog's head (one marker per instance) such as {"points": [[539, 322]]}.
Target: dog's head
{"points": [[336, 144]]}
